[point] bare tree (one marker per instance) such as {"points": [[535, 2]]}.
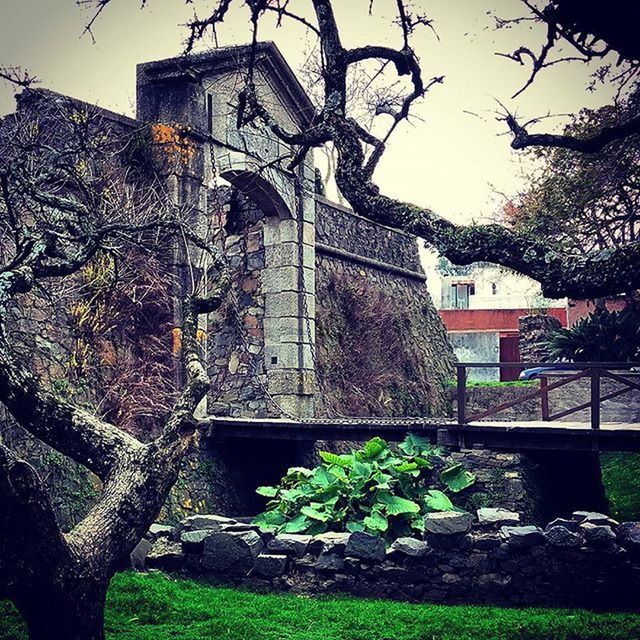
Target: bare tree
{"points": [[560, 272], [70, 197]]}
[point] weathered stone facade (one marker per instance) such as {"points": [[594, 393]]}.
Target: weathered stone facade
{"points": [[585, 560]]}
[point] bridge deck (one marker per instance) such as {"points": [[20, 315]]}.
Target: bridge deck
{"points": [[494, 434]]}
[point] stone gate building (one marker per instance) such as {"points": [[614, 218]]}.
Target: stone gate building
{"points": [[290, 249]]}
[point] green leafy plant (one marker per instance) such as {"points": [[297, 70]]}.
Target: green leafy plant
{"points": [[603, 336], [374, 489]]}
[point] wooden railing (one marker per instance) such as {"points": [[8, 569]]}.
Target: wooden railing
{"points": [[567, 372]]}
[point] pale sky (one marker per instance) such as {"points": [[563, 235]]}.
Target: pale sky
{"points": [[448, 160]]}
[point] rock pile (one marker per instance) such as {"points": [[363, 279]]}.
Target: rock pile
{"points": [[586, 560]]}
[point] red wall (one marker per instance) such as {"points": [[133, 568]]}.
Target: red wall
{"points": [[490, 319]]}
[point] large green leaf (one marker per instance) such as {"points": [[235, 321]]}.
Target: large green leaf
{"points": [[395, 505], [267, 492], [343, 460], [457, 478], [269, 520], [314, 514], [414, 445], [299, 524], [374, 449], [435, 500], [353, 526], [376, 522]]}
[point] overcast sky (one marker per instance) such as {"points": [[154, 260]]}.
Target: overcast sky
{"points": [[449, 159]]}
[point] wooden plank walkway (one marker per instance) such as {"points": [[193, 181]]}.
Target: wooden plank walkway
{"points": [[492, 434]]}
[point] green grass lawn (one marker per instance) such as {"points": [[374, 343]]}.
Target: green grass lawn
{"points": [[621, 477], [155, 607]]}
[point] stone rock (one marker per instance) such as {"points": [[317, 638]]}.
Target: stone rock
{"points": [[451, 578], [401, 575], [629, 536], [410, 547], [523, 537], [290, 544], [561, 537], [598, 535], [192, 541], [269, 565], [485, 541], [165, 555], [157, 530], [194, 523], [227, 553], [447, 522], [332, 541], [138, 556], [329, 562], [594, 518], [365, 546], [238, 527], [494, 516], [572, 525], [252, 539]]}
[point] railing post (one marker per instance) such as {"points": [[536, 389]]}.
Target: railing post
{"points": [[544, 398], [595, 398], [461, 379]]}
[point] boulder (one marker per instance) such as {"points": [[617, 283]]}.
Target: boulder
{"points": [[522, 537], [239, 527], [331, 541], [194, 523], [365, 546], [165, 555], [291, 544], [572, 525], [157, 530], [485, 541], [226, 553], [447, 522], [329, 562], [138, 556], [192, 541], [252, 539], [629, 536], [494, 516], [594, 518], [269, 565], [562, 537], [410, 547], [598, 535]]}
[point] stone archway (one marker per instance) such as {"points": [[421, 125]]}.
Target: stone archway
{"points": [[272, 253]]}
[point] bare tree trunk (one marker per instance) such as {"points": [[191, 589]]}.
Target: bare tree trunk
{"points": [[71, 609]]}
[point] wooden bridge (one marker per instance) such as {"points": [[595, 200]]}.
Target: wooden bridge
{"points": [[478, 429]]}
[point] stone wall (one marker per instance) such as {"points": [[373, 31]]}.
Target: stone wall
{"points": [[534, 332], [371, 274], [624, 408], [586, 560], [236, 331]]}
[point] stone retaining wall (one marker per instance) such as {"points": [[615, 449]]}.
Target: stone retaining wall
{"points": [[587, 560]]}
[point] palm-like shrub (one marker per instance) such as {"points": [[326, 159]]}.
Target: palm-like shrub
{"points": [[373, 489], [603, 336]]}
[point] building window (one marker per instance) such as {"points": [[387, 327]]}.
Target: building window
{"points": [[460, 293]]}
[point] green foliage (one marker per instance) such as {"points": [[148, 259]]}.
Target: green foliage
{"points": [[585, 201], [621, 478], [373, 489], [155, 607], [604, 336]]}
